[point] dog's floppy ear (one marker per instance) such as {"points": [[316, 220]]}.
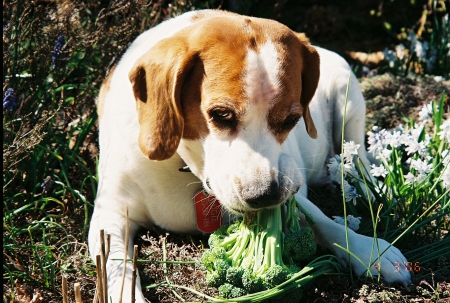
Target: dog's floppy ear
{"points": [[157, 78], [310, 80]]}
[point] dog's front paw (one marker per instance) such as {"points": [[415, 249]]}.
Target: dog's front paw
{"points": [[382, 258]]}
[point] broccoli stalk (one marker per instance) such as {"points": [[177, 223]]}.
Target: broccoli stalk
{"points": [[259, 251]]}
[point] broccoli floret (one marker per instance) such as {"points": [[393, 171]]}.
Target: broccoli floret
{"points": [[237, 292], [210, 256], [214, 279], [217, 266], [225, 290], [276, 275], [251, 282], [234, 275], [221, 266], [299, 245], [229, 291]]}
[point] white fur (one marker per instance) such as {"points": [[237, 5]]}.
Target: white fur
{"points": [[156, 193], [261, 74]]}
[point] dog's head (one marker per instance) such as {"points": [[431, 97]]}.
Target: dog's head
{"points": [[224, 93]]}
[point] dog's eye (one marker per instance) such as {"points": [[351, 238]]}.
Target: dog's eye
{"points": [[222, 116], [290, 122]]}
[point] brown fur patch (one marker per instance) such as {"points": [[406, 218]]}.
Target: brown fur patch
{"points": [[300, 64], [104, 88]]}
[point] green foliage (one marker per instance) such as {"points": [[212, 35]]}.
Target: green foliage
{"points": [[410, 186]]}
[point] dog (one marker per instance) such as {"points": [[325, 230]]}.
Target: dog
{"points": [[250, 107]]}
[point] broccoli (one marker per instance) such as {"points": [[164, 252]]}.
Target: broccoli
{"points": [[229, 291], [276, 275], [234, 275], [251, 282], [257, 252], [299, 245], [215, 262]]}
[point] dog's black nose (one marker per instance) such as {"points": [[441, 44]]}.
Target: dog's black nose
{"points": [[269, 198]]}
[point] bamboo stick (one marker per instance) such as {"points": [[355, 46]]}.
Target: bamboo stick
{"points": [[64, 289], [103, 265], [77, 289], [133, 280], [100, 289]]}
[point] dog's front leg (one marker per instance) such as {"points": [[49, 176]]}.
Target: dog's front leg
{"points": [[376, 254], [115, 225]]}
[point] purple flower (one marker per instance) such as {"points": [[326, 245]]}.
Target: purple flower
{"points": [[9, 99], [58, 54], [47, 184]]}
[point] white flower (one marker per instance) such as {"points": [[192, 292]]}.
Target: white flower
{"points": [[350, 149], [416, 131], [400, 51], [412, 143], [393, 139], [426, 112], [446, 172], [352, 222], [350, 193], [410, 178], [445, 156], [334, 169], [446, 176], [389, 56], [375, 141], [421, 49], [421, 166], [385, 153], [378, 171], [412, 37], [445, 133], [350, 169]]}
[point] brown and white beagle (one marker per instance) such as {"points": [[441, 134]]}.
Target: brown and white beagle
{"points": [[250, 106]]}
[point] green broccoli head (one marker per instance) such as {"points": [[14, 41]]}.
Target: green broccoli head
{"points": [[214, 279], [237, 292], [251, 282], [221, 266], [275, 275], [229, 291], [299, 245], [210, 256], [234, 275], [215, 262]]}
